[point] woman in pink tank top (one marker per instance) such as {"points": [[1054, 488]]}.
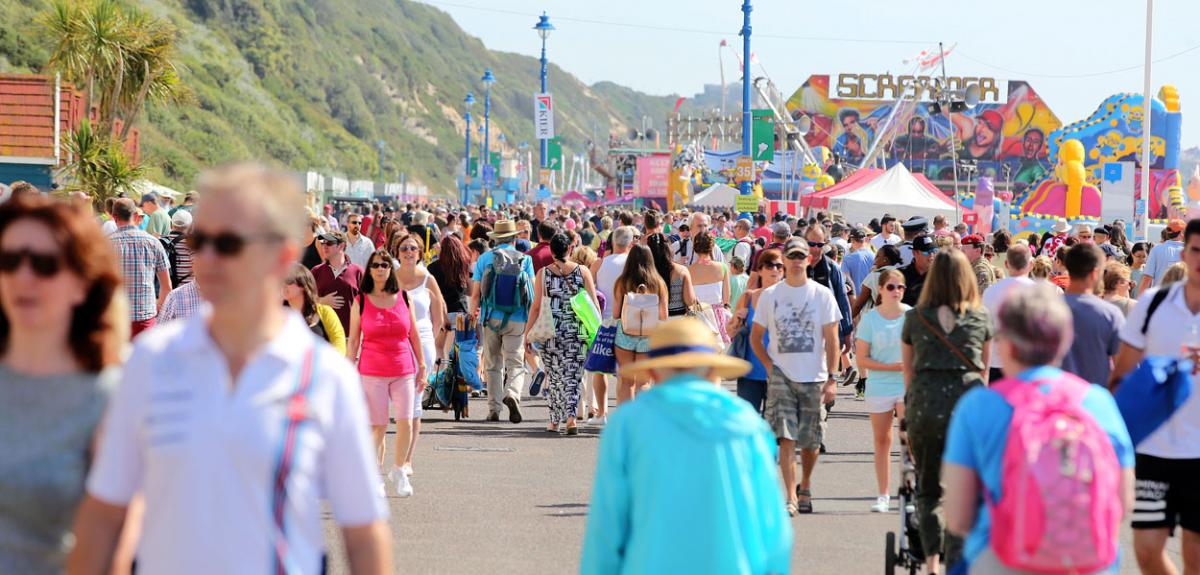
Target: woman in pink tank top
{"points": [[387, 348]]}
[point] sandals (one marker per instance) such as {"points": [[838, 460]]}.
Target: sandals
{"points": [[804, 505], [573, 430], [791, 508]]}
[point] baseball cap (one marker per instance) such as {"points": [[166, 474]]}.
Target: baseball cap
{"points": [[781, 229], [858, 234], [923, 243], [1102, 230], [1176, 225], [153, 197], [973, 240], [181, 219], [795, 245], [334, 236], [838, 228]]}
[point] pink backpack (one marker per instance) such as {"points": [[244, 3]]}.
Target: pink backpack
{"points": [[1060, 506]]}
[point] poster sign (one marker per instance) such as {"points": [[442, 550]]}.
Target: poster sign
{"points": [[543, 115], [970, 218], [544, 178], [746, 203], [554, 154], [653, 175], [985, 192], [744, 172], [762, 135]]}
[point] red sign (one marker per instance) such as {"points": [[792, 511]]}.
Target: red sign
{"points": [[789, 208], [970, 218], [653, 174]]}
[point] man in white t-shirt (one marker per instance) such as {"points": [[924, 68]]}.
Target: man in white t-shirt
{"points": [[801, 316], [237, 423], [1168, 461], [887, 234], [744, 248], [606, 271], [1017, 264]]}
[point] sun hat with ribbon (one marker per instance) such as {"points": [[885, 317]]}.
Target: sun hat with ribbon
{"points": [[504, 229], [686, 343]]}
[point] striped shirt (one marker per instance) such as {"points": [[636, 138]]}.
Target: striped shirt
{"points": [[183, 302], [141, 257]]}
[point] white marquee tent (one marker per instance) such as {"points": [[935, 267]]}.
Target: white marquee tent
{"points": [[715, 196], [896, 191]]}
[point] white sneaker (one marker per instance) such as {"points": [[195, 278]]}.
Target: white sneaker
{"points": [[403, 485], [407, 469], [883, 504], [598, 421], [382, 490]]}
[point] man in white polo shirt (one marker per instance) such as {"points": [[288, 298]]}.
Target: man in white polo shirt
{"points": [[1168, 461], [236, 423]]}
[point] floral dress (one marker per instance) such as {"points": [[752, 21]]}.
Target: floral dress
{"points": [[565, 353]]}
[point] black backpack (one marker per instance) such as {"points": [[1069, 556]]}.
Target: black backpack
{"points": [[169, 246]]}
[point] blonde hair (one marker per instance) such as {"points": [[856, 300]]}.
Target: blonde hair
{"points": [[1177, 272], [275, 192], [584, 256], [950, 283], [1042, 268], [1113, 273]]}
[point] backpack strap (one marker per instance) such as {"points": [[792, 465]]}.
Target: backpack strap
{"points": [[297, 413], [1155, 301]]}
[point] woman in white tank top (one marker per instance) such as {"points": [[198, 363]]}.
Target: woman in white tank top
{"points": [[430, 311], [710, 281]]}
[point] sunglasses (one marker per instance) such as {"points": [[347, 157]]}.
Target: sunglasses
{"points": [[894, 287], [354, 223], [381, 265], [410, 248], [773, 266], [930, 252], [813, 244], [43, 265], [227, 243], [797, 256]]}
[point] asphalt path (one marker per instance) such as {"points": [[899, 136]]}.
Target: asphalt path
{"points": [[504, 498]]}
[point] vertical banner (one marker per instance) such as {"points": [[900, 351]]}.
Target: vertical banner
{"points": [[543, 115], [554, 154], [985, 192], [653, 175], [762, 135]]}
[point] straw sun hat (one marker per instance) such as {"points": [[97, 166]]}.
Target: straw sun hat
{"points": [[504, 229], [686, 343]]}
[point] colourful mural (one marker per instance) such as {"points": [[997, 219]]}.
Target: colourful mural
{"points": [[1008, 128]]}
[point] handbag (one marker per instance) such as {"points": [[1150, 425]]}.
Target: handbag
{"points": [[601, 358], [937, 332], [589, 316], [705, 314], [543, 326], [739, 344], [1151, 393]]}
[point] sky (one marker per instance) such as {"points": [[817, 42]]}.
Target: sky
{"points": [[1073, 53]]}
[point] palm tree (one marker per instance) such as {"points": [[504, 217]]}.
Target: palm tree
{"points": [[98, 166], [120, 54]]}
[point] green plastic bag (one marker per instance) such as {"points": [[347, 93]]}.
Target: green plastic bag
{"points": [[589, 316]]}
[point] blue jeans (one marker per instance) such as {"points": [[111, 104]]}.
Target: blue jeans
{"points": [[753, 391]]}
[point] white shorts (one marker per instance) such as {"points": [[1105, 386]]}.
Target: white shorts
{"points": [[883, 403]]}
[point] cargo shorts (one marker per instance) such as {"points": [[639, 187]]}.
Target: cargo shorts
{"points": [[795, 410]]}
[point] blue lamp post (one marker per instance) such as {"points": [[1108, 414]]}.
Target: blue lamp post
{"points": [[488, 79], [747, 120], [544, 27], [466, 195]]}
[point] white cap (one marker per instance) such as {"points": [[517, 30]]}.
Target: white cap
{"points": [[181, 219]]}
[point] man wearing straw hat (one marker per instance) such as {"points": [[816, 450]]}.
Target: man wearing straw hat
{"points": [[686, 480], [504, 327]]}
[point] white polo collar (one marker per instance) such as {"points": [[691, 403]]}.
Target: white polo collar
{"points": [[289, 345]]}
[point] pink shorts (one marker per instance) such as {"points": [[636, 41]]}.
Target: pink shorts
{"points": [[400, 391]]}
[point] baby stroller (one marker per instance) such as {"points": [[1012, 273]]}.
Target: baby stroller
{"points": [[450, 388], [904, 551]]}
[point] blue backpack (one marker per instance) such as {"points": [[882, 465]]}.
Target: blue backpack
{"points": [[506, 288]]}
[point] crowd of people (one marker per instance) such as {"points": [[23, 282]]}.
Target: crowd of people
{"points": [[251, 348]]}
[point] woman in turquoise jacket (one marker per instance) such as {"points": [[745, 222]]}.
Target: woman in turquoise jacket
{"points": [[686, 480]]}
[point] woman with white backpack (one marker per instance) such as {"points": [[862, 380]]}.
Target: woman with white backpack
{"points": [[640, 303], [1039, 443]]}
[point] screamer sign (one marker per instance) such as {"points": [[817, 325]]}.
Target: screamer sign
{"points": [[543, 115]]}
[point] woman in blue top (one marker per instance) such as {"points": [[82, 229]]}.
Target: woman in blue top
{"points": [[1034, 334], [878, 346], [752, 387]]}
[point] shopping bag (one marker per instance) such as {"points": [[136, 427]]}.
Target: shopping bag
{"points": [[589, 316], [600, 355], [1151, 393]]}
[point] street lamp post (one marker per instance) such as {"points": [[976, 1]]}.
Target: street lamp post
{"points": [[488, 79], [544, 27], [747, 120], [466, 195]]}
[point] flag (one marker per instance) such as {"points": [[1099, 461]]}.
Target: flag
{"points": [[679, 103], [927, 59]]}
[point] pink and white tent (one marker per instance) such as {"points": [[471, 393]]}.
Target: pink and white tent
{"points": [[871, 192]]}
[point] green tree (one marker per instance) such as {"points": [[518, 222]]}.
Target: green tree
{"points": [[98, 166], [120, 54]]}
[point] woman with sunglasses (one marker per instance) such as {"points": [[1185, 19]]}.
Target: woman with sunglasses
{"points": [[752, 387], [300, 294], [878, 346], [60, 347], [888, 257], [386, 344], [430, 311], [945, 348]]}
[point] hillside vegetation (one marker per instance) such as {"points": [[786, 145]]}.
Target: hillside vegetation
{"points": [[314, 84]]}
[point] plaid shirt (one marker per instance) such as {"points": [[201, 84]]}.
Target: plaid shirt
{"points": [[141, 257], [183, 302]]}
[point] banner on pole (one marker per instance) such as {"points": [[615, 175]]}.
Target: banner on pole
{"points": [[985, 192], [744, 171], [762, 135], [554, 154], [543, 115], [653, 175]]}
